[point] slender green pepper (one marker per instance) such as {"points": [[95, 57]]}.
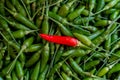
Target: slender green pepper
{"points": [[33, 48], [35, 73], [114, 14], [114, 36], [77, 68], [114, 69], [14, 76], [43, 74], [66, 69], [7, 70], [65, 77], [115, 56], [22, 19], [10, 6], [110, 11], [91, 5], [102, 23], [64, 10], [95, 34], [45, 23], [75, 53], [2, 10], [100, 4], [107, 43], [82, 20], [63, 29], [91, 64], [35, 57], [59, 54], [20, 8], [45, 57], [117, 5], [78, 59], [83, 39], [55, 8], [85, 12], [71, 16], [56, 67], [19, 70]]}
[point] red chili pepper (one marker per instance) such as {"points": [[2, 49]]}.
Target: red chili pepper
{"points": [[65, 40]]}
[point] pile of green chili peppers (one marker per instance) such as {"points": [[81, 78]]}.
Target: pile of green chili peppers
{"points": [[24, 55]]}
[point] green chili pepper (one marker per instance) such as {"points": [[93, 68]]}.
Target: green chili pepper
{"points": [[45, 23], [71, 16], [19, 70], [83, 39], [66, 69], [114, 14], [7, 70], [117, 6], [65, 77], [2, 10], [6, 27], [35, 57], [55, 8], [22, 19], [10, 6], [82, 20], [78, 59], [21, 33], [77, 68], [33, 48], [15, 24], [20, 8], [45, 57], [114, 69], [63, 29], [14, 76], [102, 23], [114, 36], [103, 71], [85, 12], [107, 43], [95, 34], [59, 54], [110, 4], [91, 4], [43, 74], [91, 64], [64, 10], [56, 66], [39, 21], [110, 11], [35, 73], [105, 34], [33, 7], [115, 56], [8, 77], [100, 4], [75, 53]]}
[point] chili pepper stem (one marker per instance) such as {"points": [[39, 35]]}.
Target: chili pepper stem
{"points": [[27, 32], [10, 11]]}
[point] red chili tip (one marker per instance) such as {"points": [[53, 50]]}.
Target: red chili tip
{"points": [[65, 40]]}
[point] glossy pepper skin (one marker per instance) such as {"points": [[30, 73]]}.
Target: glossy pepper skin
{"points": [[65, 40]]}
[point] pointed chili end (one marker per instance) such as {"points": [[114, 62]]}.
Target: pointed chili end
{"points": [[42, 35], [82, 45]]}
